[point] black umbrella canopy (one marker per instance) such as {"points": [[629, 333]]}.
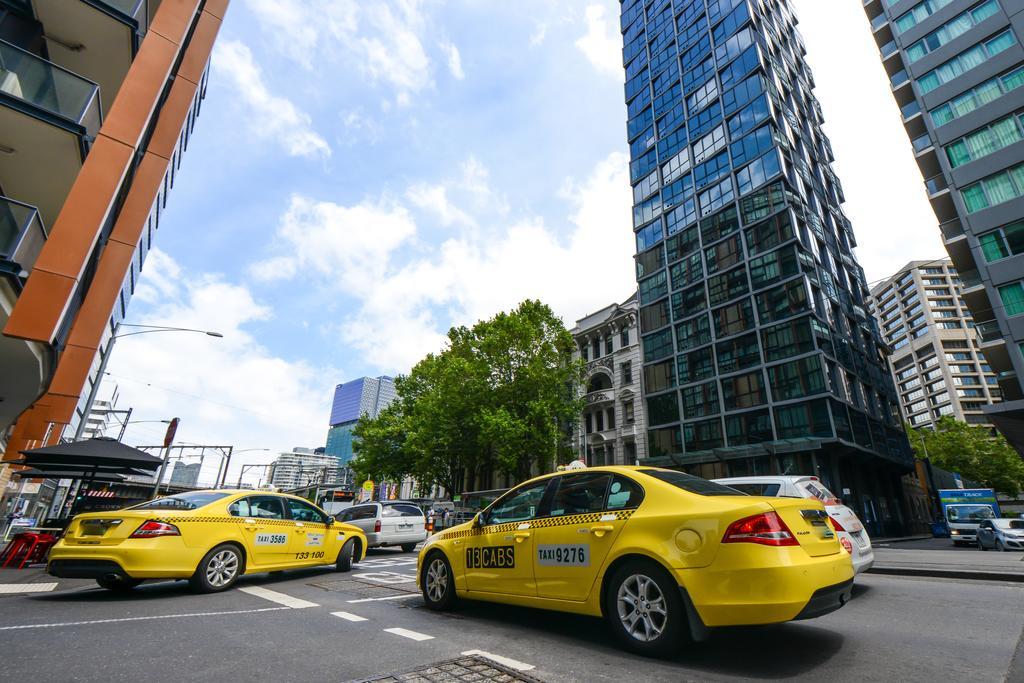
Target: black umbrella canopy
{"points": [[88, 455], [106, 477]]}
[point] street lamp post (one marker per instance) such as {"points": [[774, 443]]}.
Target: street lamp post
{"points": [[104, 357]]}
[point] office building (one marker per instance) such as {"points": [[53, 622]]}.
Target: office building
{"points": [[956, 71], [305, 467], [612, 429], [363, 397], [98, 99], [937, 363], [186, 474], [758, 353]]}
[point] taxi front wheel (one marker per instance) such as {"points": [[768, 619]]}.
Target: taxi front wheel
{"points": [[438, 582], [344, 562], [218, 570], [644, 609]]}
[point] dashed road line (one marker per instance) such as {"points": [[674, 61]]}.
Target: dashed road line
{"points": [[504, 661], [348, 616], [406, 633], [156, 616], [390, 597], [27, 587], [279, 598]]}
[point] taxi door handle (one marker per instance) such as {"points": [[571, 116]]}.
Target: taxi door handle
{"points": [[601, 529], [521, 536]]}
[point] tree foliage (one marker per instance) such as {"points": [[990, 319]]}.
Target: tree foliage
{"points": [[972, 452], [496, 399]]}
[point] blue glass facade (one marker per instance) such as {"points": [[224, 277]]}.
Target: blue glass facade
{"points": [[759, 355], [362, 397]]}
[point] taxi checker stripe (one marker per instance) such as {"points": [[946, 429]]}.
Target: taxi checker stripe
{"points": [[242, 520], [544, 522]]}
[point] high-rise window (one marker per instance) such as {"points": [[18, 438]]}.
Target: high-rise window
{"points": [[988, 140], [918, 13], [1003, 242], [978, 96], [1012, 296], [954, 28], [995, 189], [970, 58]]}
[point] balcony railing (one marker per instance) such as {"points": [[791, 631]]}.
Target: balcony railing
{"points": [[878, 21], [600, 396], [910, 109], [21, 236], [936, 184], [921, 143], [46, 86], [899, 78], [989, 330], [970, 279]]}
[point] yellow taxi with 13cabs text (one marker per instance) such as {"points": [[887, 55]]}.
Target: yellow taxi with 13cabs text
{"points": [[662, 555], [208, 537]]}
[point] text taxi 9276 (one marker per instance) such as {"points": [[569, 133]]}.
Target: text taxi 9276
{"points": [[660, 554], [208, 537]]}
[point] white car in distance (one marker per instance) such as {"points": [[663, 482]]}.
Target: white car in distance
{"points": [[848, 526]]}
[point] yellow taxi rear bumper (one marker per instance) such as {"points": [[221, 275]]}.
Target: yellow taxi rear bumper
{"points": [[750, 584], [139, 558]]}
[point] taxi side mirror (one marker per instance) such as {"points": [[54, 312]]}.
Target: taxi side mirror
{"points": [[330, 520], [478, 520]]}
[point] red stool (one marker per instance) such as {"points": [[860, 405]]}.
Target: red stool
{"points": [[32, 548], [24, 542]]}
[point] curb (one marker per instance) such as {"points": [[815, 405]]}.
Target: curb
{"points": [[948, 573]]}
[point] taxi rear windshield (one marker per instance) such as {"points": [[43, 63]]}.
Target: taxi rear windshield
{"points": [[182, 501], [693, 484]]}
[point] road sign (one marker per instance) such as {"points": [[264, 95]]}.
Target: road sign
{"points": [[368, 486]]}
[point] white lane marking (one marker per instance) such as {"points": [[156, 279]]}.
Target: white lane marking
{"points": [[279, 598], [348, 616], [27, 587], [385, 577], [504, 661], [390, 597], [158, 616], [406, 633]]}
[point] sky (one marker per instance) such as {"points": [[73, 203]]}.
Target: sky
{"points": [[365, 175]]}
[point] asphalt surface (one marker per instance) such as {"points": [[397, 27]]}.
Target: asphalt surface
{"points": [[325, 626]]}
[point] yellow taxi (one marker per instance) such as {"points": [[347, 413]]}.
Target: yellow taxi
{"points": [[661, 555], [208, 537]]}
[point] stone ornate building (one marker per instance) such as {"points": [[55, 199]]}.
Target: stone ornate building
{"points": [[613, 427]]}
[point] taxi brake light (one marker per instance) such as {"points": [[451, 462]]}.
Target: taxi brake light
{"points": [[835, 524], [152, 528], [766, 528]]}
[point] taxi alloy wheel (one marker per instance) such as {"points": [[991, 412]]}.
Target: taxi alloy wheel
{"points": [[438, 582], [645, 610], [642, 608], [218, 570]]}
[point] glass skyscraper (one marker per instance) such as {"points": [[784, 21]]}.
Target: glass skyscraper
{"points": [[759, 356], [956, 69], [363, 397]]}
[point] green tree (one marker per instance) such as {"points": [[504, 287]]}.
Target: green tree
{"points": [[494, 400], [972, 452]]}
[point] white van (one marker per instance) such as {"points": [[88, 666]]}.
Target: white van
{"points": [[848, 526], [390, 523]]}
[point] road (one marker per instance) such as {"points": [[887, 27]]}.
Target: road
{"points": [[324, 626]]}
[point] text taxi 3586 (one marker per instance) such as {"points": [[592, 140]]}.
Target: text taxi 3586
{"points": [[660, 554], [208, 537]]}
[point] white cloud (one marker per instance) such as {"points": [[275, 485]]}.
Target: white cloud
{"points": [[230, 391], [380, 39], [601, 44], [351, 244], [434, 198], [272, 117], [409, 294], [454, 60]]}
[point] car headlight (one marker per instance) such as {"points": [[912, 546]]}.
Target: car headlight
{"points": [[955, 532]]}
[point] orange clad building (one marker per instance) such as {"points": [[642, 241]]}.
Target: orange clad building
{"points": [[98, 99]]}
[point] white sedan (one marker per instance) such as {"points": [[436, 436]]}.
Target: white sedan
{"points": [[848, 526], [1001, 534]]}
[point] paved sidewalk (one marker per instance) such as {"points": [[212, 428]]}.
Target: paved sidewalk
{"points": [[33, 579], [952, 564]]}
